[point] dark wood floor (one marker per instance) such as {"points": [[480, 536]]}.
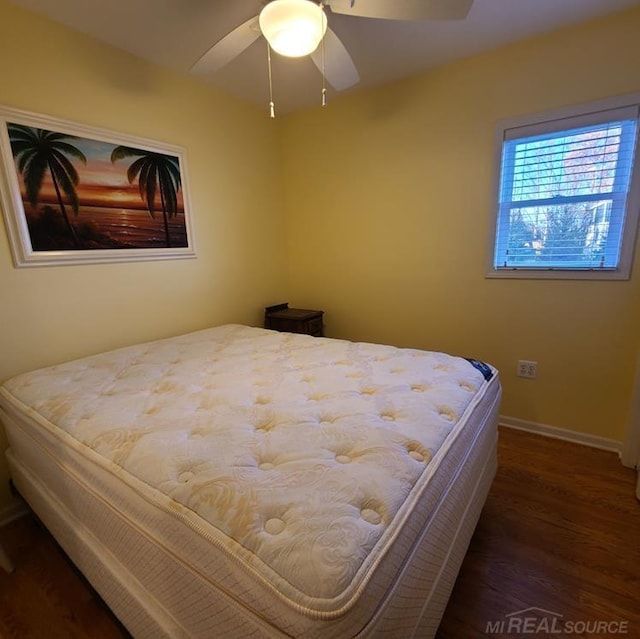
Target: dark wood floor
{"points": [[560, 533]]}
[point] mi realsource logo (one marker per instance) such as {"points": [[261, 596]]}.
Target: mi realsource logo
{"points": [[532, 621]]}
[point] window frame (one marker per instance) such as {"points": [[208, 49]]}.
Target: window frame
{"points": [[550, 121]]}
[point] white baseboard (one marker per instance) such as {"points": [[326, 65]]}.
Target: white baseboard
{"points": [[562, 433], [14, 511]]}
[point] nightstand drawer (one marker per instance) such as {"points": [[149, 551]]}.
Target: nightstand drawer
{"points": [[293, 320], [314, 326]]}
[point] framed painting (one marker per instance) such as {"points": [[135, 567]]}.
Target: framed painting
{"points": [[77, 194]]}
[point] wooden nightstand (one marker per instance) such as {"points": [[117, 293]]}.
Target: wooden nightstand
{"points": [[293, 320]]}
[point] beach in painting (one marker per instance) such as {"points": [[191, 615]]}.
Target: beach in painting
{"points": [[102, 227]]}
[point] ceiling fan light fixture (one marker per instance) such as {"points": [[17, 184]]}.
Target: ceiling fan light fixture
{"points": [[293, 28]]}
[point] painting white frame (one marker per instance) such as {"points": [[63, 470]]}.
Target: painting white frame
{"points": [[12, 198]]}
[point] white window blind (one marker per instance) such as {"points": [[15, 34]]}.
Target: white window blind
{"points": [[564, 192]]}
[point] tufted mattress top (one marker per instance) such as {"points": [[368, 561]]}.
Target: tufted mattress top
{"points": [[302, 457]]}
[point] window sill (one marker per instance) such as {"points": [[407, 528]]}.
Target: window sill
{"points": [[556, 274]]}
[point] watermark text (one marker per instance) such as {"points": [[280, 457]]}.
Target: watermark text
{"points": [[533, 621]]}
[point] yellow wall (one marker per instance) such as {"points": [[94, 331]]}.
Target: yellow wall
{"points": [[389, 198], [49, 314]]}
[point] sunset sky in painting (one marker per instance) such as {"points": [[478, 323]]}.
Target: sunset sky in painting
{"points": [[101, 182]]}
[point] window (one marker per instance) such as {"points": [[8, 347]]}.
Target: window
{"points": [[568, 194]]}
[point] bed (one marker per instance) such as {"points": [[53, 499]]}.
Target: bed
{"points": [[238, 482]]}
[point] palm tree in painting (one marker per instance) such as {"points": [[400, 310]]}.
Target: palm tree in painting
{"points": [[156, 173], [37, 151]]}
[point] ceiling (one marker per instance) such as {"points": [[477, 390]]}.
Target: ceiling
{"points": [[175, 33]]}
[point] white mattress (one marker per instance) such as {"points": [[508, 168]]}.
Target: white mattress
{"points": [[290, 477]]}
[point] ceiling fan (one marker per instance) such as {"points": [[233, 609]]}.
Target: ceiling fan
{"points": [[289, 22]]}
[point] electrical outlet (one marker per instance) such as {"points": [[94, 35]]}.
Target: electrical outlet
{"points": [[527, 369]]}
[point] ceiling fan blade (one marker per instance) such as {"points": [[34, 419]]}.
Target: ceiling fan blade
{"points": [[413, 10], [339, 69], [232, 45]]}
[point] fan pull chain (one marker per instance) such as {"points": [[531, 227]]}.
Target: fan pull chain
{"points": [[324, 79], [272, 108]]}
